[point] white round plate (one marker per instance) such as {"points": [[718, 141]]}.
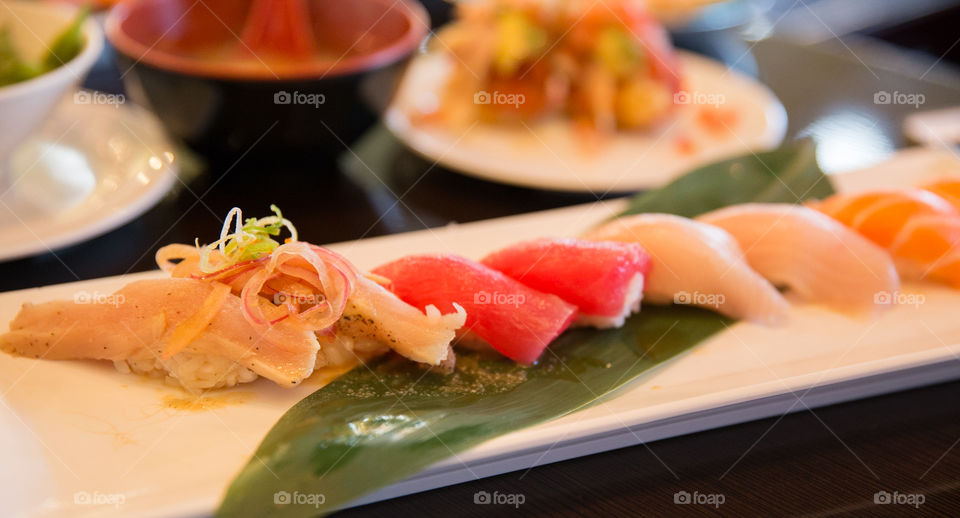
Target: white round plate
{"points": [[94, 165], [549, 154]]}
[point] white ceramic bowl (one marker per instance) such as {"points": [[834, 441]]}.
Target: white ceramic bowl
{"points": [[25, 105]]}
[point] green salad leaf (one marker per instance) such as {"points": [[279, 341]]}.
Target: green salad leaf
{"points": [[14, 68], [388, 420], [68, 44]]}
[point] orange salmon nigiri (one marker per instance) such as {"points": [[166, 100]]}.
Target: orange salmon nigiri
{"points": [[947, 188], [920, 229]]}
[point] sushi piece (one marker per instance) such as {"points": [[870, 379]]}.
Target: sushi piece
{"points": [[811, 253], [918, 228], [374, 316], [603, 279], [514, 319], [188, 330], [354, 317], [947, 188], [698, 264], [242, 307]]}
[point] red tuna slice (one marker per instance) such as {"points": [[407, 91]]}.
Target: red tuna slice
{"points": [[603, 278], [515, 319]]}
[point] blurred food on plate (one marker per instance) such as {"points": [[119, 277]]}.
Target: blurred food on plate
{"points": [[607, 66]]}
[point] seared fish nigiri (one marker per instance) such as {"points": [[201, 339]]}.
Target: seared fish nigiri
{"points": [[376, 319], [369, 319], [241, 307], [136, 327]]}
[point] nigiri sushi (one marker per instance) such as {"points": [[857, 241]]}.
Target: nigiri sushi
{"points": [[603, 279], [242, 307], [354, 317], [136, 327], [696, 263], [514, 319], [370, 321], [809, 252], [918, 228], [947, 188], [376, 316]]}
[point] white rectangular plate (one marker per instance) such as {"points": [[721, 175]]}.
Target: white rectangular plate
{"points": [[80, 439]]}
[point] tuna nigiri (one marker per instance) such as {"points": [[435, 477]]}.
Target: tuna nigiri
{"points": [[696, 263], [514, 319], [918, 228], [809, 252], [136, 327], [603, 279]]}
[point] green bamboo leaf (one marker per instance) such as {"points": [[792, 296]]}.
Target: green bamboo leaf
{"points": [[788, 174], [384, 422], [380, 425]]}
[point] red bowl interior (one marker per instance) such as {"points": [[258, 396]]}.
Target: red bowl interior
{"points": [[203, 38]]}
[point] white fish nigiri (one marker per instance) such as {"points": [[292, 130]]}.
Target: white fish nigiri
{"points": [[811, 253], [699, 264]]}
